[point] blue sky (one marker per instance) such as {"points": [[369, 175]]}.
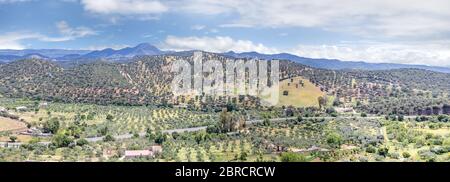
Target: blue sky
{"points": [[404, 31]]}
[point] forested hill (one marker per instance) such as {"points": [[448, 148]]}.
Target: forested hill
{"points": [[146, 79]]}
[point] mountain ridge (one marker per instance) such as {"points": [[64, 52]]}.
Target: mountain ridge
{"points": [[150, 50]]}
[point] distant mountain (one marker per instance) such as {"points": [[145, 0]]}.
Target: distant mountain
{"points": [[334, 64], [125, 54], [129, 52], [69, 55], [9, 58], [50, 53]]}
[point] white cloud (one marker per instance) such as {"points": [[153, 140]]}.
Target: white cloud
{"points": [[13, 1], [12, 40], [213, 44], [70, 33], [434, 53], [124, 7], [113, 46], [369, 18], [431, 53], [198, 27]]}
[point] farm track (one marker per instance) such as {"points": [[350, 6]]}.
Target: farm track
{"points": [[250, 122]]}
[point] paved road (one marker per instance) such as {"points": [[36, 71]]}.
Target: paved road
{"points": [[127, 136]]}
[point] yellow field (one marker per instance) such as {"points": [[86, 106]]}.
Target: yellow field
{"points": [[298, 95], [440, 131], [7, 124], [20, 138]]}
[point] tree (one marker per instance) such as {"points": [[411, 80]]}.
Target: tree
{"points": [[199, 137], [213, 129], [371, 149], [299, 119], [61, 139], [243, 156], [266, 122], [406, 155], [363, 115], [81, 142], [109, 138], [383, 151], [13, 138], [225, 120], [293, 157], [135, 135], [160, 138], [103, 131], [334, 140], [51, 126], [322, 101], [109, 117], [336, 102]]}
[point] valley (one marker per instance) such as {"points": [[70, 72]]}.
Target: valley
{"points": [[108, 111]]}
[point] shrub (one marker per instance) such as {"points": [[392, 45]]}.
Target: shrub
{"points": [[109, 138], [81, 142], [293, 157], [334, 140], [406, 155], [13, 138], [371, 149], [383, 151]]}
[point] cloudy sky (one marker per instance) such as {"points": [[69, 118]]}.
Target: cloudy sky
{"points": [[400, 31]]}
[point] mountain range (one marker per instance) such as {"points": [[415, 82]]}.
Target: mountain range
{"points": [[127, 53]]}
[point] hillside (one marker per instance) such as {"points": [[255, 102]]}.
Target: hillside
{"points": [[299, 92], [146, 79]]}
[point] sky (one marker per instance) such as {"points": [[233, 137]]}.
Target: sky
{"points": [[400, 31]]}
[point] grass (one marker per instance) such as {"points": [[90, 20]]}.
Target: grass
{"points": [[7, 124], [303, 96]]}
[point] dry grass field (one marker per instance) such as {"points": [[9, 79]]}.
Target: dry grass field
{"points": [[7, 124], [299, 95]]}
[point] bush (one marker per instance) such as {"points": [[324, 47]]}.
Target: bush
{"points": [[13, 138], [109, 138], [62, 139], [334, 140], [293, 157], [394, 155], [406, 155], [51, 126], [383, 151], [371, 149], [82, 142]]}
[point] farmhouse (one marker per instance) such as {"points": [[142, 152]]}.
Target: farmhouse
{"points": [[43, 105], [151, 152], [138, 153], [10, 145], [311, 149], [344, 110], [21, 109]]}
